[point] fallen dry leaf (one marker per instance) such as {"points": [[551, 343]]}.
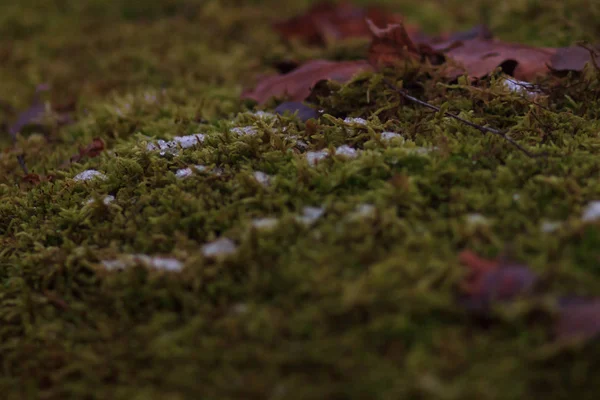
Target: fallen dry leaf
{"points": [[477, 55], [326, 22], [91, 150], [297, 85]]}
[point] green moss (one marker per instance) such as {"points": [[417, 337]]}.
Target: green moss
{"points": [[353, 305]]}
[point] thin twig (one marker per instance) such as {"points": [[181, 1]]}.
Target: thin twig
{"points": [[482, 129], [21, 159]]}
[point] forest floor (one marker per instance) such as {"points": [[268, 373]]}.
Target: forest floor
{"points": [[261, 274]]}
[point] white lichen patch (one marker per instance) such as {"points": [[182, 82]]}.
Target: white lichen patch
{"points": [[346, 151], [314, 157], [520, 87], [88, 175], [186, 172], [244, 131], [264, 115], [310, 215], [219, 248], [265, 223], [363, 211], [355, 121], [172, 146], [389, 136], [475, 219], [421, 151], [106, 200], [550, 226], [154, 262], [262, 178], [591, 212]]}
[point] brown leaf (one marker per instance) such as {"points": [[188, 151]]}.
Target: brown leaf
{"points": [[91, 150], [326, 22], [296, 85], [391, 45], [476, 54]]}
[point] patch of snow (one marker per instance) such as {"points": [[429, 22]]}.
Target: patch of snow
{"points": [[592, 211], [220, 247], [262, 178], [265, 223], [88, 175], [346, 151], [313, 157], [550, 226], [161, 263], [388, 136], [310, 215], [244, 131], [356, 121]]}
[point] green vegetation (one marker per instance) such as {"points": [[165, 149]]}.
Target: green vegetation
{"points": [[360, 303]]}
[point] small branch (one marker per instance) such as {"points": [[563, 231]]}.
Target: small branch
{"points": [[21, 159], [480, 128]]}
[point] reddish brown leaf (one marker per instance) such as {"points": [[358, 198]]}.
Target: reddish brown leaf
{"points": [[326, 22], [391, 45], [91, 150], [296, 85], [477, 54]]}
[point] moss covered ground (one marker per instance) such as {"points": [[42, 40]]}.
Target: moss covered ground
{"points": [[358, 302]]}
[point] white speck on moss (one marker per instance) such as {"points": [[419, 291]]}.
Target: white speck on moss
{"points": [[388, 136], [302, 145], [310, 215], [313, 157], [262, 178], [89, 175], [106, 200], [220, 247], [172, 146], [346, 151], [265, 223], [516, 197], [550, 226], [591, 212], [186, 172], [264, 115], [476, 219], [363, 211], [520, 87], [356, 121], [244, 131], [155, 262]]}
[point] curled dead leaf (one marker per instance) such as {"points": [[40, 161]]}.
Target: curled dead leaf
{"points": [[297, 85]]}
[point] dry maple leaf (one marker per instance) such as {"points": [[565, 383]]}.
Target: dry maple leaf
{"points": [[326, 22], [297, 85]]}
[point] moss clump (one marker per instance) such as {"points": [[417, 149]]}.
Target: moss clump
{"points": [[353, 299]]}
